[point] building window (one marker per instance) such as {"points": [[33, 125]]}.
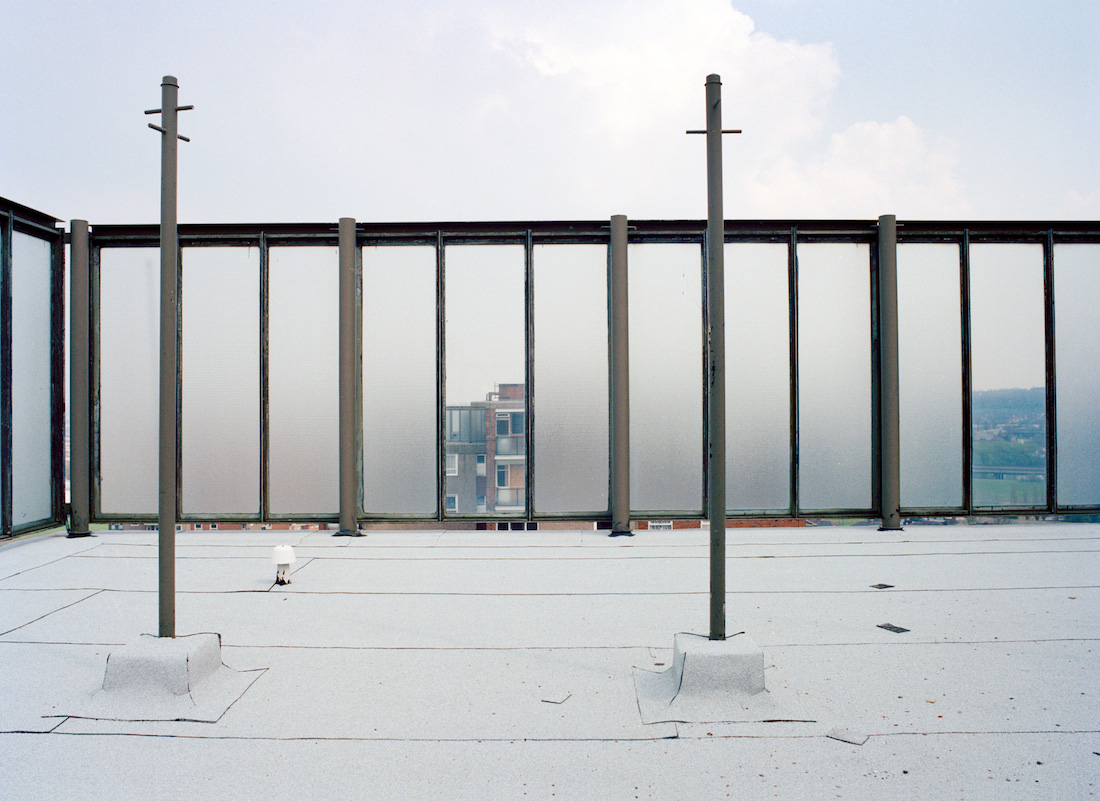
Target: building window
{"points": [[481, 464], [502, 475], [452, 503], [452, 464], [503, 425], [481, 503], [517, 422]]}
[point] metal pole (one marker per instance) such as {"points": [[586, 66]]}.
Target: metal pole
{"points": [[889, 416], [716, 346], [79, 382], [349, 526], [620, 381], [169, 368]]}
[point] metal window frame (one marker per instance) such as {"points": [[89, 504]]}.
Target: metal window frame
{"points": [[16, 218], [792, 233]]}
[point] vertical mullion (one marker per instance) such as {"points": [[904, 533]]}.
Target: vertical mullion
{"points": [[529, 377], [57, 381], [441, 378], [1051, 367], [95, 510], [792, 300], [265, 374], [5, 374], [967, 410]]}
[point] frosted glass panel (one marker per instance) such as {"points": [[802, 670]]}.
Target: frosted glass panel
{"points": [[930, 376], [129, 366], [400, 443], [1008, 368], [571, 374], [31, 402], [486, 365], [758, 380], [834, 364], [221, 381], [666, 377], [303, 381], [1077, 338]]}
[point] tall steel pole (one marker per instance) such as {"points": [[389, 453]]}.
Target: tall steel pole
{"points": [[716, 374], [169, 368]]}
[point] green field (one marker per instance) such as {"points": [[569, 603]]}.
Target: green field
{"points": [[1008, 492]]}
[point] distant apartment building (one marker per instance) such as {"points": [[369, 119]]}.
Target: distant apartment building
{"points": [[486, 462]]}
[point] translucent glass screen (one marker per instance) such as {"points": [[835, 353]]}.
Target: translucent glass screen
{"points": [[758, 379], [834, 366], [400, 443], [571, 375], [930, 376], [31, 371], [485, 370], [1008, 369], [303, 381], [666, 377], [220, 414], [1077, 367], [129, 366]]}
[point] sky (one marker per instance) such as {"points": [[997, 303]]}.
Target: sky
{"points": [[576, 109]]}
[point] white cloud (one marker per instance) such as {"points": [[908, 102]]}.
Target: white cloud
{"points": [[869, 169], [637, 72]]}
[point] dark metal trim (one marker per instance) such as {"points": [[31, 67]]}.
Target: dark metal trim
{"points": [[441, 377], [6, 507], [265, 375], [967, 382], [1051, 375], [792, 301], [529, 376]]}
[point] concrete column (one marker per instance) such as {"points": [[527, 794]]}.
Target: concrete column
{"points": [[79, 381], [620, 381], [716, 373], [169, 366], [349, 495], [889, 416]]}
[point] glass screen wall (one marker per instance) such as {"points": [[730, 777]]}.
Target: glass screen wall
{"points": [[666, 377], [303, 381], [220, 374], [1008, 369], [571, 378], [31, 380], [485, 336], [758, 378], [930, 376], [400, 411], [129, 392], [834, 385], [1077, 368]]}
